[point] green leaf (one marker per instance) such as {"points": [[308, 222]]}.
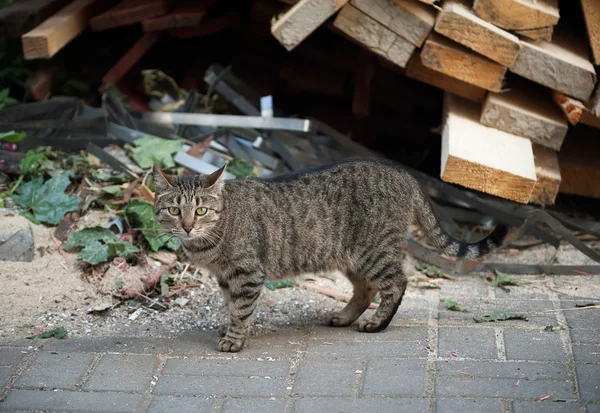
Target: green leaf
{"points": [[12, 136], [164, 286], [240, 168], [502, 279], [141, 215], [94, 253], [454, 306], [121, 248], [114, 190], [86, 236], [102, 176], [149, 150], [99, 245], [31, 161], [273, 285], [499, 315], [59, 333], [559, 327]]}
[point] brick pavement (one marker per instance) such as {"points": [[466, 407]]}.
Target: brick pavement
{"points": [[429, 360]]}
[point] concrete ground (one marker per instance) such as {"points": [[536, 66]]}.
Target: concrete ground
{"points": [[429, 360]]}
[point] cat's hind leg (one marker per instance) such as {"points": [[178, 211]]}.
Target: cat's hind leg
{"points": [[360, 301]]}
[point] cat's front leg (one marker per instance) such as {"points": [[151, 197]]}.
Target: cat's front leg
{"points": [[244, 289]]}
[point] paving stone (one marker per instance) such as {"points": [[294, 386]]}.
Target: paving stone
{"points": [[321, 334], [129, 345], [219, 386], [388, 378], [61, 370], [68, 401], [325, 378], [376, 405], [588, 377], [122, 373], [414, 310], [544, 407], [505, 388], [470, 343], [170, 404], [503, 369], [533, 345], [587, 319], [586, 354], [10, 356], [353, 349], [231, 367], [468, 405], [253, 405], [592, 408], [5, 373], [584, 336], [469, 288], [478, 307]]}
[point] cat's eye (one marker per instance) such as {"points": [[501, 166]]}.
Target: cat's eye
{"points": [[174, 211], [201, 211]]}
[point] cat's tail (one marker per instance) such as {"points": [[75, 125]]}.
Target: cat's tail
{"points": [[448, 244]]}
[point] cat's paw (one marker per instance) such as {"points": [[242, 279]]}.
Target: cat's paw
{"points": [[338, 320], [230, 345], [223, 329], [369, 326]]}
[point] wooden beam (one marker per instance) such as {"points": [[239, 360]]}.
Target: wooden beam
{"points": [[588, 119], [540, 33], [129, 12], [591, 13], [408, 18], [48, 38], [303, 19], [518, 14], [371, 34], [547, 172], [579, 166], [417, 71], [22, 16], [573, 109], [186, 14], [482, 158], [559, 65], [443, 55], [526, 111], [458, 23]]}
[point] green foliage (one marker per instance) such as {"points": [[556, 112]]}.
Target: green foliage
{"points": [[12, 136], [6, 99], [240, 168], [149, 150], [102, 176], [273, 285], [559, 327], [454, 306], [113, 190], [58, 332], [502, 279], [141, 215], [499, 315], [431, 271], [99, 245]]}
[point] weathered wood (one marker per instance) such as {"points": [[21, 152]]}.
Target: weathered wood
{"points": [[591, 13], [547, 172], [408, 18], [540, 33], [369, 33], [588, 119], [573, 109], [129, 59], [417, 71], [53, 34], [443, 55], [579, 166], [39, 86], [208, 27], [187, 14], [526, 111], [458, 23], [559, 65], [518, 14], [303, 19], [22, 16], [129, 12]]}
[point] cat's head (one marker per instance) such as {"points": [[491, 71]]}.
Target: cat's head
{"points": [[188, 206]]}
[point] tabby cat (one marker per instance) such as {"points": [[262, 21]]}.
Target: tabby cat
{"points": [[350, 216]]}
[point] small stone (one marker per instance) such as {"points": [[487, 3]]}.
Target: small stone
{"points": [[16, 239]]}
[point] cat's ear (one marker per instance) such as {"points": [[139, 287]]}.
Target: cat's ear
{"points": [[213, 180], [162, 181]]}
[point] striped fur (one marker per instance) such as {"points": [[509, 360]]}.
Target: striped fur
{"points": [[350, 216]]}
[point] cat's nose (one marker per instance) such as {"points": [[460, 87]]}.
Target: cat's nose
{"points": [[187, 229]]}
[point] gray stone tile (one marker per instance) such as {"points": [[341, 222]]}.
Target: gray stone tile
{"points": [[586, 353], [502, 369], [353, 349], [533, 345], [219, 386], [117, 372], [544, 407], [588, 377], [321, 334], [253, 405], [504, 388], [444, 405], [68, 401], [5, 373], [469, 288], [10, 356], [62, 370], [375, 405], [231, 367], [394, 378], [592, 408], [129, 345], [478, 307], [470, 343], [413, 311], [588, 319], [325, 378], [171, 404], [584, 336]]}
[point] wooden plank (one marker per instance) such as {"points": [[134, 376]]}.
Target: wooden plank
{"points": [[129, 12], [526, 111], [187, 14], [303, 19], [48, 38], [482, 158], [579, 166], [408, 18], [22, 16], [417, 71], [588, 119], [518, 14], [572, 109], [207, 28], [458, 23], [591, 13], [443, 55], [547, 172], [560, 65], [540, 33], [371, 34]]}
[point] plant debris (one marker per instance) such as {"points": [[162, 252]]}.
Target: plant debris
{"points": [[148, 150], [240, 168], [276, 284], [454, 306], [433, 272], [559, 327], [141, 215], [12, 136], [500, 279], [586, 305], [99, 245], [58, 333], [499, 315]]}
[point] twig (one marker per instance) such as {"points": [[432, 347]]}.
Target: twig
{"points": [[572, 309], [332, 293], [153, 300]]}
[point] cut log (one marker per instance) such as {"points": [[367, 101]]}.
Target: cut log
{"points": [[303, 19], [559, 65], [417, 71], [541, 33], [445, 56], [482, 158], [547, 173], [371, 34], [408, 18], [573, 109], [591, 12], [518, 14], [48, 38], [22, 16], [526, 111], [579, 166], [184, 15], [458, 23], [129, 12]]}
